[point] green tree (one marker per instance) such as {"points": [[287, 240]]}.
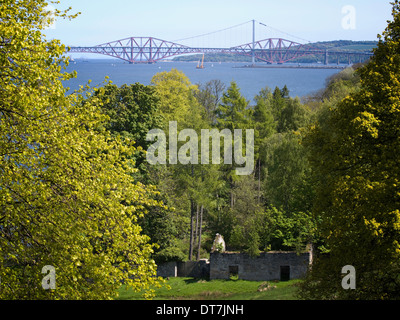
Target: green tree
{"points": [[233, 112], [245, 233], [133, 111], [265, 127], [279, 230], [288, 179], [66, 196], [185, 184], [294, 116], [209, 96], [355, 154], [176, 95], [278, 102], [288, 113], [265, 123]]}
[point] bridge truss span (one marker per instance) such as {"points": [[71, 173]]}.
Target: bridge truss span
{"points": [[273, 50], [137, 49], [151, 50]]}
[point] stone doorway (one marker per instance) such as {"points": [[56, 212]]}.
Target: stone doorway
{"points": [[285, 273]]}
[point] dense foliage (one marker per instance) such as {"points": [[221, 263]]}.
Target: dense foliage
{"points": [[67, 196], [354, 151], [268, 209], [77, 193]]}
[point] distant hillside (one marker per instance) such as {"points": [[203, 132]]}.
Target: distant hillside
{"points": [[330, 45], [344, 45]]}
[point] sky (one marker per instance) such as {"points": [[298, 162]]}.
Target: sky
{"points": [[302, 21]]}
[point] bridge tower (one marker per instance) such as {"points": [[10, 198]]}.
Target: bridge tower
{"points": [[326, 57], [253, 54]]}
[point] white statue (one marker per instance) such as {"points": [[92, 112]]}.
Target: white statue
{"points": [[219, 244]]}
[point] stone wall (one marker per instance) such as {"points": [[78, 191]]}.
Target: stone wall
{"points": [[268, 266], [195, 269], [168, 269]]}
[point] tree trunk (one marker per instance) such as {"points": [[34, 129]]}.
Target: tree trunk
{"points": [[232, 186], [192, 210], [196, 232], [259, 180], [200, 231]]}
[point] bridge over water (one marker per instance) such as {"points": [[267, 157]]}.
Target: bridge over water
{"points": [[271, 50]]}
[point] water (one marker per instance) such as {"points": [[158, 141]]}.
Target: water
{"points": [[300, 82]]}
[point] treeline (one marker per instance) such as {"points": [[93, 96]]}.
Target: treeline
{"points": [[325, 174], [270, 209], [78, 198]]}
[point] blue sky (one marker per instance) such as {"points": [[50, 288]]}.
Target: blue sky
{"points": [[313, 20]]}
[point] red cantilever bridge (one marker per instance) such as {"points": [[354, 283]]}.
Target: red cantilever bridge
{"points": [[151, 50]]}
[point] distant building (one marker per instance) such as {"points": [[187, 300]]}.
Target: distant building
{"points": [[274, 265], [267, 266]]}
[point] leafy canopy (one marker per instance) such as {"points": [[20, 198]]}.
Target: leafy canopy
{"points": [[355, 155], [66, 196]]}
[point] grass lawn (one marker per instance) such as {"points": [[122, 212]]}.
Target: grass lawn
{"points": [[198, 289]]}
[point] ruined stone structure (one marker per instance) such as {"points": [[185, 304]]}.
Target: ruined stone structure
{"points": [[195, 269], [266, 267]]}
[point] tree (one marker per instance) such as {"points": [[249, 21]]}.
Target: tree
{"points": [[209, 96], [287, 183], [285, 231], [66, 196], [245, 235], [176, 94], [265, 123], [293, 116], [355, 155], [187, 181], [233, 113], [133, 110], [265, 127]]}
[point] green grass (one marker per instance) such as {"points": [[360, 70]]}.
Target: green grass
{"points": [[197, 289]]}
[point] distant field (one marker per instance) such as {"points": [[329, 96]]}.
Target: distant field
{"points": [[359, 47], [196, 289]]}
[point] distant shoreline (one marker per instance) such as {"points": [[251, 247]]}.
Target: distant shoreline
{"points": [[297, 66]]}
